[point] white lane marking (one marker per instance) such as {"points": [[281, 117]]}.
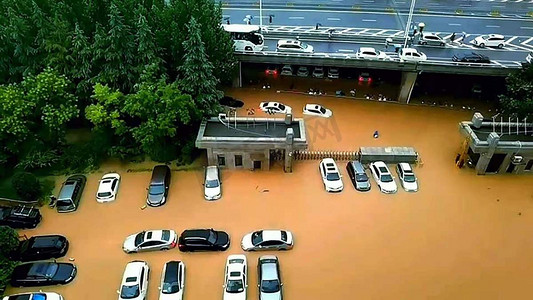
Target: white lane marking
{"points": [[369, 20], [503, 1], [368, 1], [380, 32], [492, 26], [529, 28], [454, 24], [334, 19], [296, 18], [403, 2], [345, 50], [498, 6], [511, 40], [227, 16], [496, 62], [527, 41], [336, 0], [518, 1]]}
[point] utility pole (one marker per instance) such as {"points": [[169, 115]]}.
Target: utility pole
{"points": [[260, 14], [409, 21]]}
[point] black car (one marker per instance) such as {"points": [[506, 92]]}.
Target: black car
{"points": [[471, 58], [41, 248], [43, 273], [20, 216], [203, 240]]}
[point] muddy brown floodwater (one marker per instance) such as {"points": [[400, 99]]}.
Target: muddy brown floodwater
{"points": [[461, 236]]}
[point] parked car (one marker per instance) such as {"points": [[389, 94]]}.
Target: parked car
{"points": [[472, 57], [333, 73], [150, 240], [41, 247], [383, 177], [303, 71], [108, 188], [212, 183], [275, 107], [489, 40], [20, 217], [529, 58], [271, 70], [70, 194], [371, 54], [317, 110], [134, 281], [365, 78], [267, 240], [407, 177], [411, 54], [289, 45], [357, 174], [287, 70], [235, 278], [269, 278], [429, 38], [318, 72], [159, 185], [172, 281], [34, 296], [331, 177], [203, 240], [43, 273]]}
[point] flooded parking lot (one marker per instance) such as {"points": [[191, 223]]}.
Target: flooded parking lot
{"points": [[461, 236]]}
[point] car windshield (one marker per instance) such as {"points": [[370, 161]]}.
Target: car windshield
{"points": [[270, 286], [305, 45], [129, 291], [211, 183], [386, 178], [281, 106], [156, 189], [235, 286], [332, 176], [37, 296], [104, 194], [139, 238], [409, 178], [165, 235], [170, 287], [484, 37], [361, 177], [212, 237], [64, 203], [323, 110], [257, 237]]}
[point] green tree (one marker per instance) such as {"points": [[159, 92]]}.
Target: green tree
{"points": [[197, 77], [9, 241], [518, 98], [27, 186], [6, 269]]}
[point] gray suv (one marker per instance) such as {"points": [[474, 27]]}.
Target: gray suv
{"points": [[70, 194], [270, 285], [357, 174], [159, 184]]}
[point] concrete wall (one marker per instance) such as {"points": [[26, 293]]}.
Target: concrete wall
{"points": [[248, 158]]}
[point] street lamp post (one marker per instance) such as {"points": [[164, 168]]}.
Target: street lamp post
{"points": [[260, 13], [409, 21]]}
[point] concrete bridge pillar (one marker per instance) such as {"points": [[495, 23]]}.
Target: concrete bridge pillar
{"points": [[485, 158], [408, 83]]}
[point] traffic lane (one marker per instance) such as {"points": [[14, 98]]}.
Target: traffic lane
{"points": [[350, 48], [383, 20]]}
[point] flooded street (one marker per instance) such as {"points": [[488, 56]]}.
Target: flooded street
{"points": [[461, 236]]}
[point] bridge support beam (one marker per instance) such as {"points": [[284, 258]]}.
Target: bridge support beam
{"points": [[408, 83], [237, 80]]}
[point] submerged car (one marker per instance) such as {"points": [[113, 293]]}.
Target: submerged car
{"points": [[235, 278], [317, 110], [134, 281], [34, 296], [357, 174], [70, 194], [20, 216], [383, 177], [172, 281], [212, 184], [41, 247], [331, 176], [159, 185], [269, 278], [407, 177], [267, 240], [150, 240], [108, 188], [318, 72], [43, 273], [203, 240], [274, 107]]}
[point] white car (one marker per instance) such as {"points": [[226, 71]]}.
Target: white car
{"points": [[383, 177], [289, 45], [318, 72], [407, 177], [489, 40], [134, 281], [330, 175], [150, 240], [108, 188], [333, 73], [275, 107], [236, 278], [34, 296], [428, 38], [317, 110], [370, 53], [267, 240], [212, 185], [411, 54], [172, 281]]}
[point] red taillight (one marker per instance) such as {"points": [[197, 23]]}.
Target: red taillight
{"points": [[181, 246], [361, 78], [275, 72], [369, 79], [267, 71], [173, 244]]}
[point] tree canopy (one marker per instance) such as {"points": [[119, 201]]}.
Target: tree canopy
{"points": [[518, 98]]}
